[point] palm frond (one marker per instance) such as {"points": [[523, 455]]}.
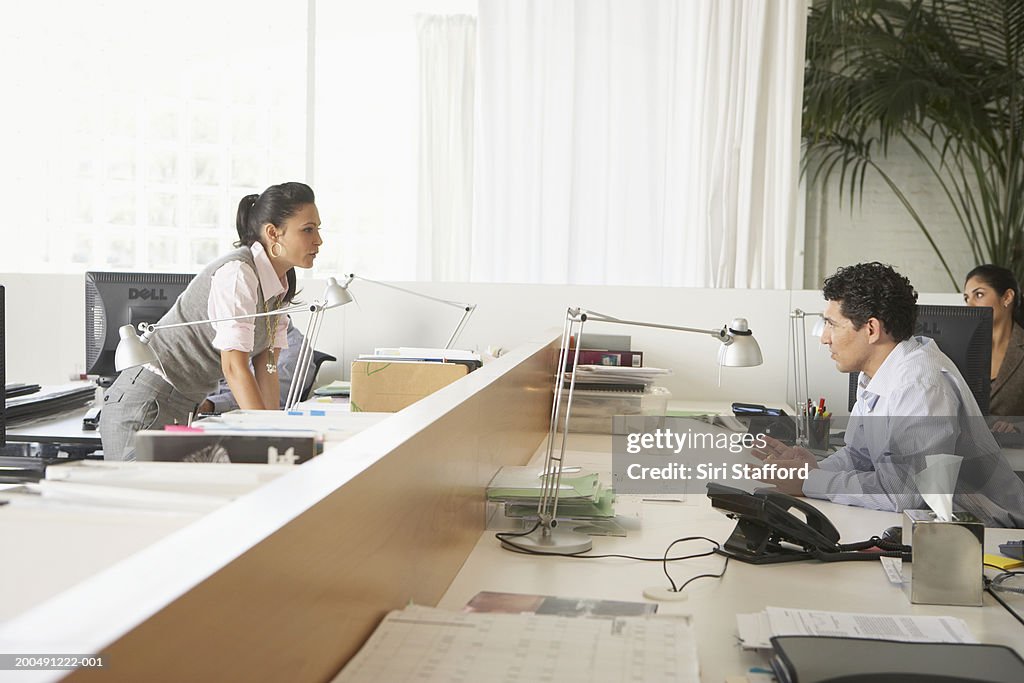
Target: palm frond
{"points": [[945, 76]]}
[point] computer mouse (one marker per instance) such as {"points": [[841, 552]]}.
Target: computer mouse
{"points": [[893, 534]]}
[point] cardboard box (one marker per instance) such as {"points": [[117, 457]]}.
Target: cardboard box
{"points": [[389, 386]]}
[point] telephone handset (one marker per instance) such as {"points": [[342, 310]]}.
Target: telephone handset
{"points": [[767, 528]]}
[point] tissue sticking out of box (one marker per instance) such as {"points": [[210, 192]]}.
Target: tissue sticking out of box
{"points": [[937, 482]]}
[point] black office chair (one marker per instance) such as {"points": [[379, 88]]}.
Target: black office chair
{"points": [[319, 357]]}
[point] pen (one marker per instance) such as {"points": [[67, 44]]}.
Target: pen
{"points": [[821, 404]]}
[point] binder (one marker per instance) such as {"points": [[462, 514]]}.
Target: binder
{"points": [[821, 659]]}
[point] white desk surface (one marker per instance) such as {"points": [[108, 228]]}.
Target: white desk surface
{"points": [[51, 546], [59, 427], [745, 588]]}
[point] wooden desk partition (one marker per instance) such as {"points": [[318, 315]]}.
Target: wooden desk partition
{"points": [[301, 601]]}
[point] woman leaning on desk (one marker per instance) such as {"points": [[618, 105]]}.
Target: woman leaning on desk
{"points": [[278, 231], [997, 288]]}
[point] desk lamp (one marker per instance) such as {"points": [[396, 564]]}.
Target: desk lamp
{"points": [[738, 349], [134, 349], [801, 389], [468, 308]]}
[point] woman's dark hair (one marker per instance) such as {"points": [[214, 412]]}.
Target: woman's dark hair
{"points": [[874, 290], [274, 205], [1000, 279]]}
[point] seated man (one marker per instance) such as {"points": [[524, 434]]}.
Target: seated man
{"points": [[222, 400], [912, 402]]}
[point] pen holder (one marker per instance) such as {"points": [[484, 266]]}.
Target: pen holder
{"points": [[947, 564], [817, 433]]}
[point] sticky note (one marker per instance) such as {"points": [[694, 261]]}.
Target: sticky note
{"points": [[1003, 563]]}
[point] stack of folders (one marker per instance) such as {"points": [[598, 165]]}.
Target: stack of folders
{"points": [[581, 496], [602, 392]]}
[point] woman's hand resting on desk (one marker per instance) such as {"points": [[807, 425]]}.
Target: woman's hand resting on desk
{"points": [[790, 458]]}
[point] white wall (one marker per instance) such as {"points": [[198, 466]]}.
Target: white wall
{"points": [[46, 329], [880, 229], [46, 322]]}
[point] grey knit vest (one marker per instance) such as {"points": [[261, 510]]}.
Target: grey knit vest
{"points": [[189, 360]]}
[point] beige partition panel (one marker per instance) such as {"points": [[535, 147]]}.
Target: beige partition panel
{"points": [[298, 605]]}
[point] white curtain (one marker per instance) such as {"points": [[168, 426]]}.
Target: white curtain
{"points": [[447, 68], [638, 142]]}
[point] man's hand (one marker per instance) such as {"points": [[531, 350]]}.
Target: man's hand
{"points": [[788, 458]]}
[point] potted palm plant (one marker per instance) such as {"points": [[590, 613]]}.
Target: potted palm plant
{"points": [[945, 77]]}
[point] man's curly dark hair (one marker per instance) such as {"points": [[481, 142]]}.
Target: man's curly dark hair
{"points": [[874, 290]]}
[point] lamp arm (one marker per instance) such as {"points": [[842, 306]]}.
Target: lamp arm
{"points": [[456, 304], [547, 504], [462, 324], [304, 359], [720, 334], [149, 328]]}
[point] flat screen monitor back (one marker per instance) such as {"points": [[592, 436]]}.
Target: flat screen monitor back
{"points": [[964, 333], [116, 299]]}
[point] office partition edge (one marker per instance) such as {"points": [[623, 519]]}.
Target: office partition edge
{"points": [[287, 582]]}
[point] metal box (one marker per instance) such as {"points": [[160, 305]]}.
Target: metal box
{"points": [[947, 567]]}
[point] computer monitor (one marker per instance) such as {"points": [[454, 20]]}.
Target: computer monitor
{"points": [[964, 333], [116, 299]]}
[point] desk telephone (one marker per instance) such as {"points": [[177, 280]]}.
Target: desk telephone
{"points": [[768, 531]]}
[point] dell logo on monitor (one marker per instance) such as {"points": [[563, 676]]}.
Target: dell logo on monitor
{"points": [[146, 294], [928, 329]]}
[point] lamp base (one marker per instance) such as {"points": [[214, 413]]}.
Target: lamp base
{"points": [[663, 594], [556, 541]]}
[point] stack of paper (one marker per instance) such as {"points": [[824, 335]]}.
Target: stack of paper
{"points": [[618, 378], [411, 353], [428, 644], [756, 630], [154, 486]]}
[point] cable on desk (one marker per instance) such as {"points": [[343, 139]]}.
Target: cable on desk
{"points": [[995, 586], [851, 551], [504, 537], [718, 546], [512, 546]]}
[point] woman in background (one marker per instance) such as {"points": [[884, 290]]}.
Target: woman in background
{"points": [[997, 288], [278, 231]]}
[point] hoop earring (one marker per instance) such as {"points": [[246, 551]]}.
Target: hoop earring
{"points": [[276, 254]]}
